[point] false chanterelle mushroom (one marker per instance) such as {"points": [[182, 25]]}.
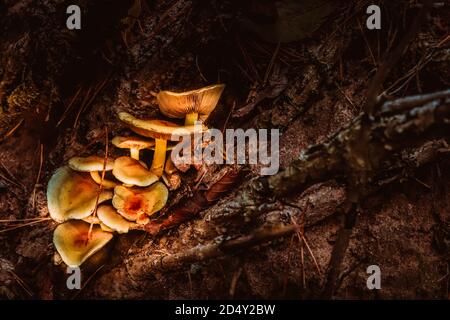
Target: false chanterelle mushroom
{"points": [[76, 194], [192, 106]]}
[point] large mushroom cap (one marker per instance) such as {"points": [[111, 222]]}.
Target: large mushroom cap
{"points": [[73, 195], [132, 142], [201, 101], [109, 216], [159, 129], [132, 172], [71, 241], [91, 163], [132, 202]]}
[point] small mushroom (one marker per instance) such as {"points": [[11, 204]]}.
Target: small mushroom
{"points": [[136, 204], [73, 195], [111, 219], [132, 143], [161, 131], [72, 242], [191, 105], [93, 165], [132, 172]]}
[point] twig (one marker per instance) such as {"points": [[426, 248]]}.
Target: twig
{"points": [[346, 97], [300, 231], [19, 220]]}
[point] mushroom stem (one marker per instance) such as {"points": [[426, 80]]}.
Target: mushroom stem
{"points": [[134, 153], [190, 119], [159, 158], [107, 184]]}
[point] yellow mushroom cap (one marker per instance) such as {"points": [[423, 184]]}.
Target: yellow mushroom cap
{"points": [[132, 202], [95, 220], [132, 172], [73, 195], [91, 163], [131, 142], [109, 216], [159, 129], [201, 101], [70, 240], [168, 147]]}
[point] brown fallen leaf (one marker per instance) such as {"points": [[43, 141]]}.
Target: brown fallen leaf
{"points": [[188, 208]]}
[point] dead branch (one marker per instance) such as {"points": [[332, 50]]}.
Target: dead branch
{"points": [[147, 263], [357, 151], [144, 263]]}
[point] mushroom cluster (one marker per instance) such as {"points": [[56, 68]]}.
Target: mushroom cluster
{"points": [[94, 197]]}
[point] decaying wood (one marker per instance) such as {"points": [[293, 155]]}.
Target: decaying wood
{"points": [[323, 162]]}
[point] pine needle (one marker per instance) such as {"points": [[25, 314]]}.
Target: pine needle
{"points": [[24, 225]]}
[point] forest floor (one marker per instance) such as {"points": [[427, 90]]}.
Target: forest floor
{"points": [[60, 89]]}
